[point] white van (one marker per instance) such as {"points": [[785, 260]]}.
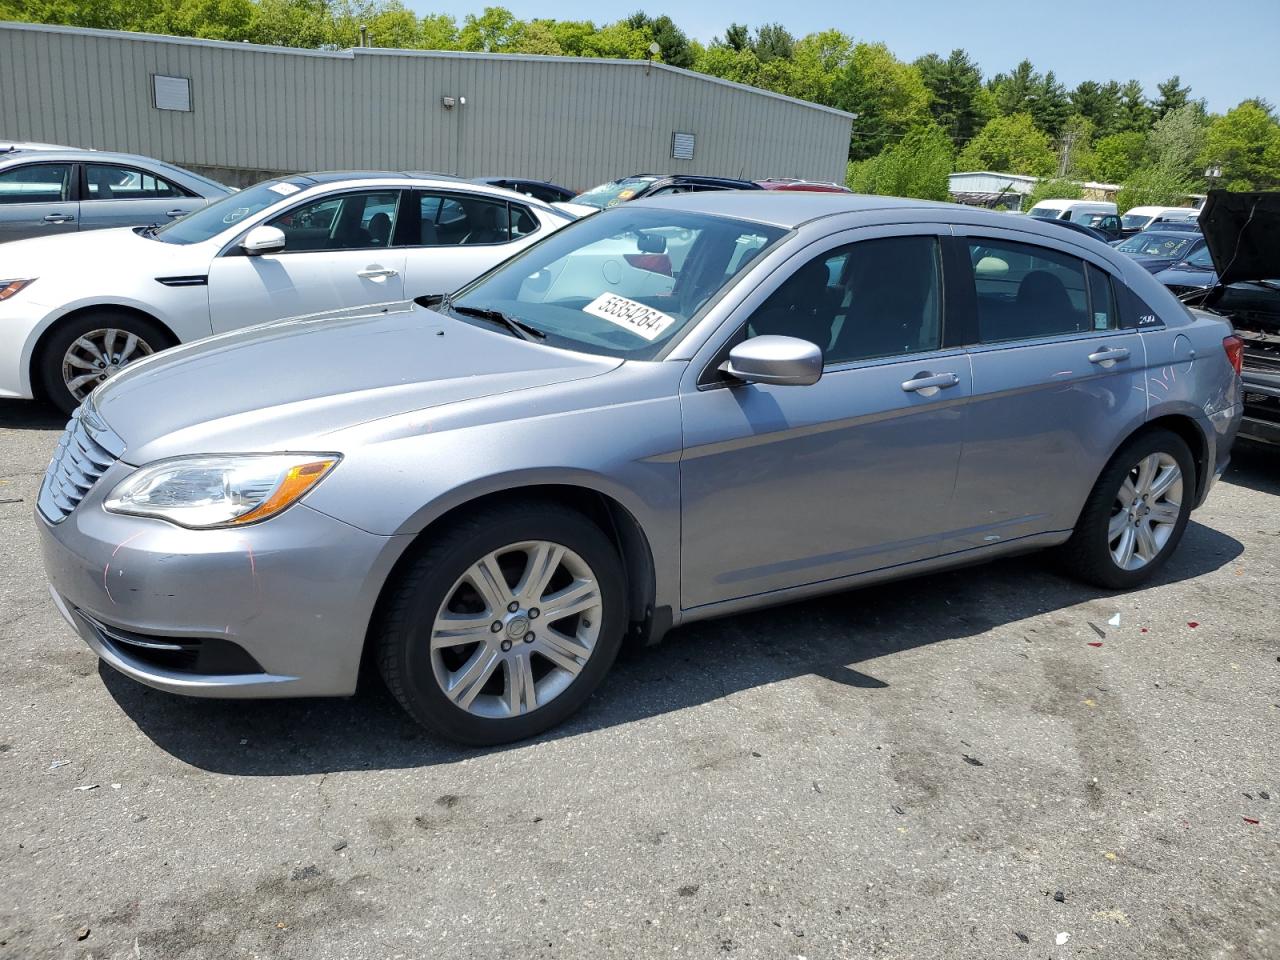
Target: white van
{"points": [[1077, 211], [1139, 218]]}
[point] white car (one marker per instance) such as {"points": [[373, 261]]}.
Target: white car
{"points": [[76, 308]]}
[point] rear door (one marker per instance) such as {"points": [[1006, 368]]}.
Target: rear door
{"points": [[451, 237], [118, 195], [1056, 382], [338, 253], [38, 200]]}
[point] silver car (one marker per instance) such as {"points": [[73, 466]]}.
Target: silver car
{"points": [[676, 409], [49, 190]]}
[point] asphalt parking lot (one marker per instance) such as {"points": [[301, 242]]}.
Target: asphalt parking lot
{"points": [[978, 765]]}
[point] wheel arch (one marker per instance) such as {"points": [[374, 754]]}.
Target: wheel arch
{"points": [[646, 624], [32, 366]]}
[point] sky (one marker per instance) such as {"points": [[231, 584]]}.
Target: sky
{"points": [[1078, 39]]}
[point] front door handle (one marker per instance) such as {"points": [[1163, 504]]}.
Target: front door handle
{"points": [[375, 272], [927, 384], [1108, 356], [59, 218], [175, 213]]}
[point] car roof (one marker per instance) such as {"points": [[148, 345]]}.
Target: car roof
{"points": [[76, 154], [788, 209]]}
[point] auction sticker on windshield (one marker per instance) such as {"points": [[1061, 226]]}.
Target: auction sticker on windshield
{"points": [[643, 321]]}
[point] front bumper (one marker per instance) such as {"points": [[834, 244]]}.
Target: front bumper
{"points": [[276, 609], [1261, 406]]}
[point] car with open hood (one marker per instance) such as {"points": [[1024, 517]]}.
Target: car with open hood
{"points": [[76, 308], [1237, 275], [484, 492]]}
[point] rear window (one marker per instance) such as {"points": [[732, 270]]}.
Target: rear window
{"points": [[1044, 213], [1025, 292]]}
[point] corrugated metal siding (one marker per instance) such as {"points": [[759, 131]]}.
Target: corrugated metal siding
{"points": [[578, 122]]}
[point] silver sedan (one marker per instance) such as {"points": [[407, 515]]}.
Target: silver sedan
{"points": [[674, 410]]}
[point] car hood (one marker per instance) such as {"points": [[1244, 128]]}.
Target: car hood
{"points": [[95, 256], [293, 384], [1242, 231]]}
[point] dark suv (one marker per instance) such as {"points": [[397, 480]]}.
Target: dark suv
{"points": [[656, 185]]}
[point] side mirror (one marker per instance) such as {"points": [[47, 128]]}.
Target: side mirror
{"points": [[784, 361], [262, 240]]}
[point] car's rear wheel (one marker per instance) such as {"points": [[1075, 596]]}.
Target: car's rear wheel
{"points": [[83, 351], [1136, 513], [505, 624]]}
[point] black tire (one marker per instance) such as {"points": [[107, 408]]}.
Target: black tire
{"points": [[1087, 555], [48, 372], [403, 634]]}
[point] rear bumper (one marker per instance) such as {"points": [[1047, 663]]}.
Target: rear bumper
{"points": [[277, 609]]}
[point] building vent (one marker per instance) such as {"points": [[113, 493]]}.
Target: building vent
{"points": [[171, 93], [682, 146]]}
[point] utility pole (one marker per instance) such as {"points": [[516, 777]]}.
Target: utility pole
{"points": [[1064, 158]]}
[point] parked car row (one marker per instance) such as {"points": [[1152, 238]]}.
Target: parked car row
{"points": [[678, 407]]}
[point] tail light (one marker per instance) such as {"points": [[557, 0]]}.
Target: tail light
{"points": [[652, 262], [1235, 352]]}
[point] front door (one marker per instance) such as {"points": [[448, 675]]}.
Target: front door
{"points": [[338, 253], [113, 195], [1056, 382], [38, 200], [783, 486]]}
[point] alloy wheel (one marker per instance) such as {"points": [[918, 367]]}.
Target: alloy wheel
{"points": [[516, 629], [1146, 510], [96, 355]]}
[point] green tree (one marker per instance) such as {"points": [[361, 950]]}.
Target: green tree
{"points": [[737, 37], [496, 29], [1135, 112], [955, 87], [773, 42], [723, 61], [1100, 103], [1171, 96], [888, 96], [673, 45], [1054, 189], [1245, 143], [1154, 186], [291, 23], [917, 166], [1010, 145], [210, 19], [1117, 156], [1176, 140]]}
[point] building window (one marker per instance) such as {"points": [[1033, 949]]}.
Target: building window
{"points": [[171, 93]]}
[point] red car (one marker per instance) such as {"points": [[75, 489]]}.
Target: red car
{"points": [[811, 186]]}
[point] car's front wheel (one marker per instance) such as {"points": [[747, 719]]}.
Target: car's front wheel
{"points": [[86, 349], [504, 624], [1136, 513]]}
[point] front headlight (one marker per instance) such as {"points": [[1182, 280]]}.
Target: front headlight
{"points": [[223, 491], [9, 287]]}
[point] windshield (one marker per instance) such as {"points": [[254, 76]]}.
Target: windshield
{"points": [[1201, 258], [1151, 244], [623, 284], [226, 213], [1044, 213], [613, 193]]}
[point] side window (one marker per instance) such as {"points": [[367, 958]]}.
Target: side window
{"points": [[36, 183], [449, 220], [874, 298], [1025, 291], [523, 222], [1102, 301], [111, 182], [350, 221]]}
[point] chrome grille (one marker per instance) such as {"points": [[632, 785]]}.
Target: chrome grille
{"points": [[85, 451]]}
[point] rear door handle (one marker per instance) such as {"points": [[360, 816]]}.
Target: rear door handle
{"points": [[1109, 355], [59, 218], [927, 384], [175, 213], [376, 272]]}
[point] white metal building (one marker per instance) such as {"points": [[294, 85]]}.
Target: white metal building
{"points": [[242, 111]]}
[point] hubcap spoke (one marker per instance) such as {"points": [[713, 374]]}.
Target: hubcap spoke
{"points": [[130, 344], [1146, 546], [553, 641], [455, 630], [544, 561], [521, 694], [1123, 552], [1164, 512], [1117, 526], [1146, 473], [474, 675], [576, 598], [1164, 481], [489, 582]]}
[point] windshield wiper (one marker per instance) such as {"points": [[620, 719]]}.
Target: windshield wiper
{"points": [[521, 329]]}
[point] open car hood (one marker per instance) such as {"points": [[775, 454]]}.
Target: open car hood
{"points": [[1242, 231]]}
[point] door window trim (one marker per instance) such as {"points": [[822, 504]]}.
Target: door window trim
{"points": [[73, 184], [729, 333], [82, 182]]}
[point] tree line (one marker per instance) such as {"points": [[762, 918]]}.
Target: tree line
{"points": [[913, 122]]}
